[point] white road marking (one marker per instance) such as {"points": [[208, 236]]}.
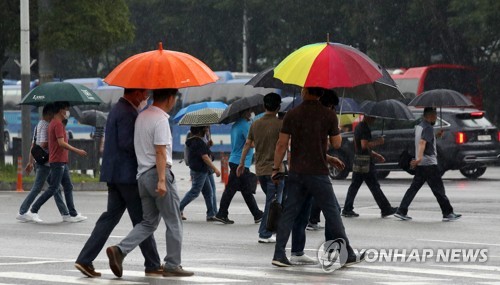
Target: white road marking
{"points": [[470, 267], [429, 271], [62, 278], [192, 279], [460, 242], [73, 234]]}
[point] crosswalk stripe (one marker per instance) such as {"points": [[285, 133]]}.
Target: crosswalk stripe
{"points": [[191, 279], [63, 278], [433, 272]]}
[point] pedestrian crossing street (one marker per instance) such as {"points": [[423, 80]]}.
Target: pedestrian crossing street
{"points": [[363, 273]]}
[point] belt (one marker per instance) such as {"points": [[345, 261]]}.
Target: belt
{"points": [[168, 167]]}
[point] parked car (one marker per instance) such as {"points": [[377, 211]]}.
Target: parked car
{"points": [[13, 128], [470, 143]]}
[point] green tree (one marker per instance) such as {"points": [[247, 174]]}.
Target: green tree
{"points": [[86, 30]]}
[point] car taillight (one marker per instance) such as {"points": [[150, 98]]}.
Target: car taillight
{"points": [[477, 114], [460, 137]]}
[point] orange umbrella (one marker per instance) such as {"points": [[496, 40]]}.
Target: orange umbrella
{"points": [[160, 69]]}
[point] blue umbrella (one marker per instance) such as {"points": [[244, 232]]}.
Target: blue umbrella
{"points": [[347, 106], [198, 106]]}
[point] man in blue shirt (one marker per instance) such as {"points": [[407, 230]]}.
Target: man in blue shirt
{"points": [[247, 182]]}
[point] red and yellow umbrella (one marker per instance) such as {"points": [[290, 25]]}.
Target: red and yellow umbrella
{"points": [[160, 69], [327, 65]]}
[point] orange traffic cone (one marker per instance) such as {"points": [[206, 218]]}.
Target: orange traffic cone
{"points": [[224, 168], [19, 187]]}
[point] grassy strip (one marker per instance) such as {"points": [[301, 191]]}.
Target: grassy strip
{"points": [[8, 174]]}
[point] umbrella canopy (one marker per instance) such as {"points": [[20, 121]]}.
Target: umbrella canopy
{"points": [[160, 69], [327, 65], [232, 112], [199, 106], [266, 79], [74, 93], [387, 109], [347, 106], [288, 103], [202, 117], [382, 89], [441, 98]]}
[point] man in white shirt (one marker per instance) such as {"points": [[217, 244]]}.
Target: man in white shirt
{"points": [[157, 187]]}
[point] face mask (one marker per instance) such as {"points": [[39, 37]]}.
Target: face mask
{"points": [[252, 116], [66, 115], [142, 105]]}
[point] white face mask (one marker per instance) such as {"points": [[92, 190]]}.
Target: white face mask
{"points": [[142, 105], [66, 115], [252, 116]]}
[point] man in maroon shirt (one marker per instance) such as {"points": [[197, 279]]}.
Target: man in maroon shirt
{"points": [[58, 159], [309, 126]]}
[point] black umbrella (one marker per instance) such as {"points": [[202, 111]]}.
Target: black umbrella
{"points": [[255, 103], [387, 109], [441, 98], [266, 79], [382, 89]]}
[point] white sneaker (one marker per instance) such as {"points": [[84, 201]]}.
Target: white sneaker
{"points": [[26, 217], [34, 217], [66, 218], [77, 218], [303, 260], [267, 240]]}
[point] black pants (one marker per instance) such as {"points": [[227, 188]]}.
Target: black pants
{"points": [[431, 175], [121, 197], [234, 184], [371, 181], [315, 218]]}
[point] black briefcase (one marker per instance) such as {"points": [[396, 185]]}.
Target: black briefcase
{"points": [[274, 215]]}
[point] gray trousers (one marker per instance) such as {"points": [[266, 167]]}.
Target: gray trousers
{"points": [[155, 207]]}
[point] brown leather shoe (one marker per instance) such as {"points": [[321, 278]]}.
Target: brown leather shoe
{"points": [[116, 257], [154, 272], [177, 272], [87, 270]]}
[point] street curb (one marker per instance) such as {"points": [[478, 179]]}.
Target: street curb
{"points": [[92, 186]]}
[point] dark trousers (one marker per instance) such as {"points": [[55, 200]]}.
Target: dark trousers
{"points": [[431, 175], [299, 190], [371, 181], [120, 197], [315, 216], [234, 184]]}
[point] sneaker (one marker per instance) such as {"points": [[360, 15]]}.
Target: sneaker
{"points": [[115, 257], [259, 219], [451, 217], [353, 259], [76, 219], [402, 217], [267, 240], [26, 217], [183, 217], [393, 211], [177, 272], [281, 262], [154, 272], [211, 219], [35, 217], [87, 270], [224, 220], [66, 218], [349, 214], [314, 227], [303, 260]]}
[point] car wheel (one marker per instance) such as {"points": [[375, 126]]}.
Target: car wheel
{"points": [[473, 172], [382, 174], [336, 174], [6, 138]]}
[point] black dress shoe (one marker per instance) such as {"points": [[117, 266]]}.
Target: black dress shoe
{"points": [[116, 257]]}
